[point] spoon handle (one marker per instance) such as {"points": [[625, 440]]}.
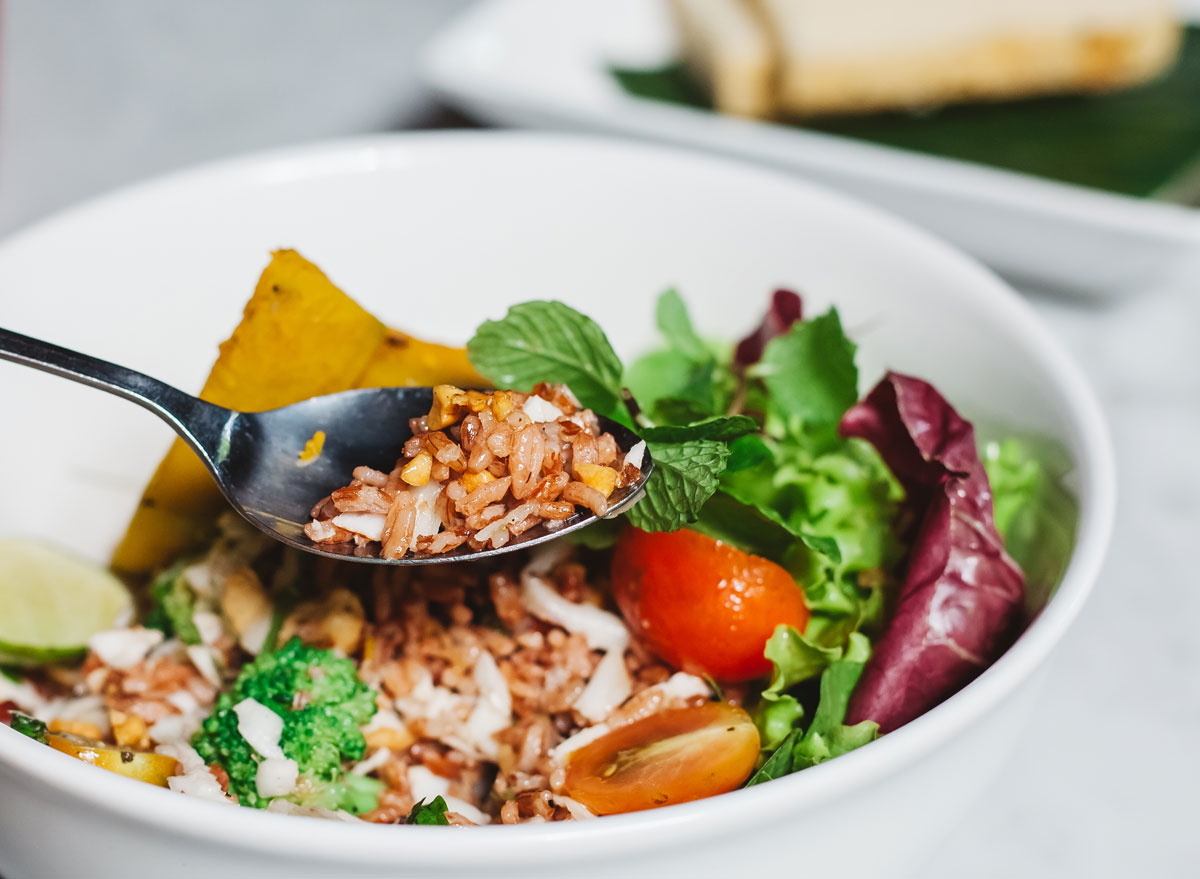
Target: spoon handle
{"points": [[200, 424]]}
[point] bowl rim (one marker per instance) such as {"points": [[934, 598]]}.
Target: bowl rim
{"points": [[325, 841]]}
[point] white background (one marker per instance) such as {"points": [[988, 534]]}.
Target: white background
{"points": [[94, 95]]}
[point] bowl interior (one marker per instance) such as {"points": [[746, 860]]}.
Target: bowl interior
{"points": [[434, 233]]}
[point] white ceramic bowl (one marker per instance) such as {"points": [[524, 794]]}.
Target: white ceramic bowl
{"points": [[435, 232]]}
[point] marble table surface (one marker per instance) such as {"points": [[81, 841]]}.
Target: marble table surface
{"points": [[95, 95]]}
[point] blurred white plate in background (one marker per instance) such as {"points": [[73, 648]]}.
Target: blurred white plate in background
{"points": [[543, 63]]}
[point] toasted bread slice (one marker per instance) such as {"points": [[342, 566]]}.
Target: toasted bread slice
{"points": [[854, 56], [728, 48]]}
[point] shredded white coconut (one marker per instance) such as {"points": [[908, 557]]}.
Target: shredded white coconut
{"points": [[385, 717], [123, 648], [428, 522], [609, 687], [276, 777], [255, 636], [260, 727], [682, 685], [603, 630], [541, 410], [634, 455], [493, 706], [209, 625], [200, 578], [577, 809], [23, 693], [169, 728], [205, 660], [577, 741], [375, 761], [369, 525], [195, 780]]}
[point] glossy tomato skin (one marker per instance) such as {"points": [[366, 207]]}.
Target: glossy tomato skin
{"points": [[703, 605], [672, 756]]}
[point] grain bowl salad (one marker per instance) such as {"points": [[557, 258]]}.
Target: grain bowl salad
{"points": [[808, 569]]}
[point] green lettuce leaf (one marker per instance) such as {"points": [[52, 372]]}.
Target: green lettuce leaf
{"points": [[794, 658], [1035, 514], [827, 736], [776, 718], [779, 763]]}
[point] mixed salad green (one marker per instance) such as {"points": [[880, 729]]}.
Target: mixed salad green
{"points": [[837, 564], [751, 447]]}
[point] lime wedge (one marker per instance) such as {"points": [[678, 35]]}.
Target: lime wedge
{"points": [[51, 602]]}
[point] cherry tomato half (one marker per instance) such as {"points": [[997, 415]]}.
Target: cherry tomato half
{"points": [[142, 765], [702, 605], [674, 756]]}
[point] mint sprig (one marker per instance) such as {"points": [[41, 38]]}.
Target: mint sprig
{"points": [[550, 341], [685, 476]]}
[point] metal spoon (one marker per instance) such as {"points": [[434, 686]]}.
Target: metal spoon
{"points": [[254, 456]]}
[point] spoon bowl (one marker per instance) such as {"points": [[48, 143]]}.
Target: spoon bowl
{"points": [[255, 457]]}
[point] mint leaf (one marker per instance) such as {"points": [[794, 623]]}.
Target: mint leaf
{"points": [[671, 315], [809, 371], [679, 410], [601, 534], [428, 813], [719, 428], [684, 477], [725, 518], [746, 452], [549, 341]]}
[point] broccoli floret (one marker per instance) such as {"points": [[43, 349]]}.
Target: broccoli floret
{"points": [[28, 726], [172, 605], [323, 704]]}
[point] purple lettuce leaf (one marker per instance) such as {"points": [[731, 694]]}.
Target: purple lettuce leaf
{"points": [[961, 602], [785, 310]]}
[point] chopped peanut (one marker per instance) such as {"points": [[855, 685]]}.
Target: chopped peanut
{"points": [[337, 621], [416, 472], [76, 727], [477, 401], [312, 448], [129, 730], [472, 481], [502, 404], [603, 479], [395, 740], [245, 604], [449, 405]]}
